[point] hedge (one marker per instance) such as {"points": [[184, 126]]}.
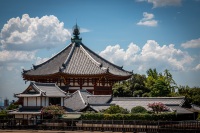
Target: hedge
{"points": [[137, 116]]}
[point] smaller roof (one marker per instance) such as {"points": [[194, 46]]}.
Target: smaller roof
{"points": [[81, 98], [42, 89], [130, 102], [99, 107], [180, 110]]}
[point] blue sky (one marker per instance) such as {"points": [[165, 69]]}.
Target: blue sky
{"points": [[135, 34]]}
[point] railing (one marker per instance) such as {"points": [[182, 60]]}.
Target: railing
{"points": [[103, 125]]}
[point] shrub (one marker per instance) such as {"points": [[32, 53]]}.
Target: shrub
{"points": [[114, 109], [138, 109], [53, 110], [157, 107], [138, 116]]}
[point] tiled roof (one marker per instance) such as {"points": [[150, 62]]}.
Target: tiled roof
{"points": [[77, 59], [99, 107], [81, 98], [76, 101], [45, 89], [99, 99], [50, 89], [179, 110], [52, 65], [130, 102]]}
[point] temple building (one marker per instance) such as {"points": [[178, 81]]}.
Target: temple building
{"points": [[77, 67]]}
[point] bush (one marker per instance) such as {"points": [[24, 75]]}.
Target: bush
{"points": [[157, 107], [3, 114], [114, 109], [53, 110], [138, 116], [138, 109]]}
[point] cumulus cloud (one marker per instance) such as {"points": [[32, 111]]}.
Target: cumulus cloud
{"points": [[40, 60], [152, 55], [33, 33], [116, 54], [197, 67], [148, 20], [16, 56], [162, 3], [195, 43]]}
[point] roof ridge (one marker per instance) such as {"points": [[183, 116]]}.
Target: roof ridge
{"points": [[34, 85], [126, 98], [81, 96], [90, 57], [69, 55], [98, 95], [59, 89]]}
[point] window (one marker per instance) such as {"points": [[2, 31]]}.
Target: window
{"points": [[55, 101]]}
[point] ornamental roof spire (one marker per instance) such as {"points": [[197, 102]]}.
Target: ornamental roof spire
{"points": [[76, 33]]}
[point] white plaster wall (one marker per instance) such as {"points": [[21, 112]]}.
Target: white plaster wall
{"points": [[90, 84], [25, 101], [43, 101], [32, 101], [38, 101], [88, 88], [76, 84]]}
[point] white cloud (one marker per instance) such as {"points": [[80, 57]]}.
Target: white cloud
{"points": [[115, 54], [16, 56], [152, 55], [82, 30], [162, 3], [148, 20], [33, 33], [40, 60], [195, 43], [197, 67]]}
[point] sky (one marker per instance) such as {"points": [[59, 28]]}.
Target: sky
{"points": [[135, 34]]}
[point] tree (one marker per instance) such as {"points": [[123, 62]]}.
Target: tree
{"points": [[160, 84], [121, 90], [138, 109], [160, 88], [53, 110], [114, 109], [192, 95]]}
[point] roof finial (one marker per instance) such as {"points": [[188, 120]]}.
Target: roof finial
{"points": [[76, 32]]}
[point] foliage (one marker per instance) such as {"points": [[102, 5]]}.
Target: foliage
{"points": [[157, 107], [138, 109], [53, 110], [155, 84], [121, 90], [3, 114], [192, 95], [160, 84], [138, 116], [12, 106], [114, 109]]}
